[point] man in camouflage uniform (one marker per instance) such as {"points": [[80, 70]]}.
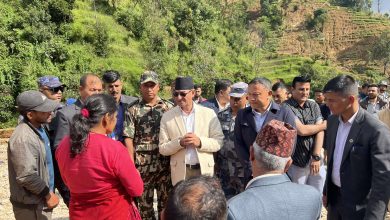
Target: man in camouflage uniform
{"points": [[228, 167], [141, 130]]}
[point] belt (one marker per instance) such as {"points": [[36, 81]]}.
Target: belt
{"points": [[193, 167]]}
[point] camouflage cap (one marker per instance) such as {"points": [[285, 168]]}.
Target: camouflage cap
{"points": [[238, 89], [276, 138], [149, 76], [382, 83], [49, 81]]}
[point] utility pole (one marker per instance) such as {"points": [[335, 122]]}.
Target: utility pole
{"points": [[379, 5]]}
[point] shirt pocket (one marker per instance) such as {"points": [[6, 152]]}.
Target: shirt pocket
{"points": [[360, 151]]}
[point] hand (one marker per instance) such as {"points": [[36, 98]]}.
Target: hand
{"points": [[190, 140], [52, 200], [325, 201], [315, 167]]}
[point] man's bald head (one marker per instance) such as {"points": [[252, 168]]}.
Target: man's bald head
{"points": [[90, 84]]}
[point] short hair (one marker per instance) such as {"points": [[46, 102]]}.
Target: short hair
{"points": [[83, 79], [268, 161], [196, 86], [343, 84], [261, 80], [111, 76], [300, 79], [318, 90], [373, 85], [365, 85], [222, 85], [278, 85], [198, 198]]}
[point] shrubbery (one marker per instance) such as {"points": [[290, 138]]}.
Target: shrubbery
{"points": [[318, 20]]}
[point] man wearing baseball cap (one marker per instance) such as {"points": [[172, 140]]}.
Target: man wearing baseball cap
{"points": [[228, 167], [51, 87], [141, 129], [271, 194], [30, 167]]}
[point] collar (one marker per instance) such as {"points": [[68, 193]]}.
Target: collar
{"points": [[192, 111], [351, 119], [219, 104], [261, 114], [159, 101], [260, 177], [296, 104]]}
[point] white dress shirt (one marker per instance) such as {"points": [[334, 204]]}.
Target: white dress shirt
{"points": [[220, 107], [341, 139], [189, 122]]}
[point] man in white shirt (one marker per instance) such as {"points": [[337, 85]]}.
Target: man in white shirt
{"points": [[358, 178], [189, 133]]}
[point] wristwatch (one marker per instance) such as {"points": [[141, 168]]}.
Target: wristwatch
{"points": [[316, 157]]}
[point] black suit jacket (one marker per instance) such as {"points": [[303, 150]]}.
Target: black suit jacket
{"points": [[364, 169], [245, 130], [63, 120], [211, 103]]}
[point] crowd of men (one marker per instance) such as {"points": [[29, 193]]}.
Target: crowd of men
{"points": [[260, 146]]}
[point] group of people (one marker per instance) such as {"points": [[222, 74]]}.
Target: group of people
{"points": [[253, 151]]}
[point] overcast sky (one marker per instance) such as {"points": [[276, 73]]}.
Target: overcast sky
{"points": [[384, 6]]}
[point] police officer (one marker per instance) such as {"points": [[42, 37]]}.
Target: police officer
{"points": [[141, 130], [228, 167]]}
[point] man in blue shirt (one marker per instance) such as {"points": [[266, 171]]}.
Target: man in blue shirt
{"points": [[250, 120], [30, 168], [113, 86]]}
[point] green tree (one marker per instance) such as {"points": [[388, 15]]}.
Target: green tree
{"points": [[381, 50]]}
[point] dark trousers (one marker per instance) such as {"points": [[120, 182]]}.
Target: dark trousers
{"points": [[335, 205], [339, 209]]}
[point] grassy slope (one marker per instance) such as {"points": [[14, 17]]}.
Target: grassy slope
{"points": [[124, 54]]}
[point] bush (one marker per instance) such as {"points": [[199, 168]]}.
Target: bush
{"points": [[318, 20], [101, 40], [7, 104], [132, 19]]}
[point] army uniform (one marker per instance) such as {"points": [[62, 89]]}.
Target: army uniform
{"points": [[228, 167], [142, 124]]}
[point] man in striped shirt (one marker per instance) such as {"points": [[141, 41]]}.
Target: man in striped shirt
{"points": [[308, 167]]}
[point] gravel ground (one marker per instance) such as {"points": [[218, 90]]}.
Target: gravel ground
{"points": [[59, 213]]}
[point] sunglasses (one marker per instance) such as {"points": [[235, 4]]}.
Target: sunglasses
{"points": [[182, 94], [56, 89], [237, 99]]}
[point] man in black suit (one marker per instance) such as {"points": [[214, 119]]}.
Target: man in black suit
{"points": [[221, 101], [262, 109], [358, 178], [89, 84]]}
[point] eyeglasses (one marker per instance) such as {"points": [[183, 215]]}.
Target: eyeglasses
{"points": [[182, 94], [56, 89]]}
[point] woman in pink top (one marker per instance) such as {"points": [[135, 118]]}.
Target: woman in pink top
{"points": [[100, 175]]}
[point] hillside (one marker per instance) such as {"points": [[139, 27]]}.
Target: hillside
{"points": [[346, 36], [236, 39]]}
